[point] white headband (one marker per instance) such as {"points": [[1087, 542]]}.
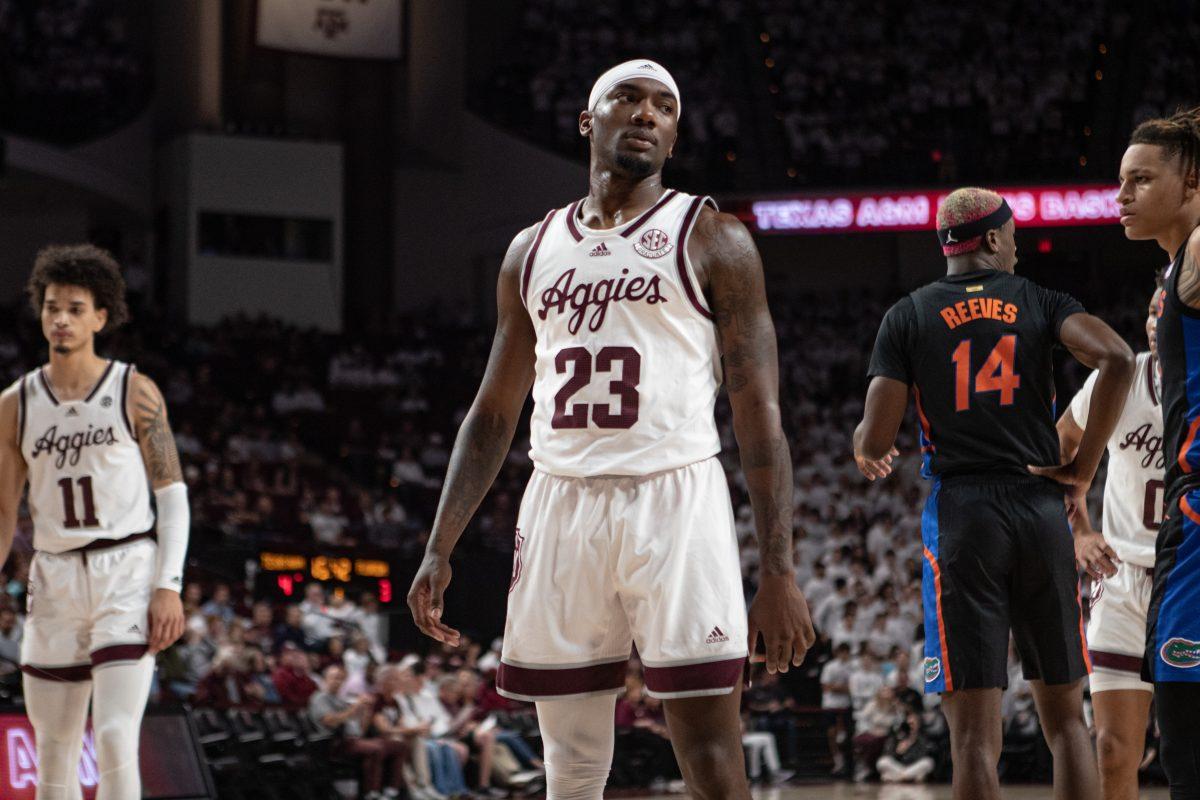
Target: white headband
{"points": [[638, 68]]}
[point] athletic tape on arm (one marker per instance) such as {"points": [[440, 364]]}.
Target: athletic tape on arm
{"points": [[174, 522]]}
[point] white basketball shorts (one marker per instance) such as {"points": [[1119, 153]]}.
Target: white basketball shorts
{"points": [[1116, 632], [87, 610], [603, 563]]}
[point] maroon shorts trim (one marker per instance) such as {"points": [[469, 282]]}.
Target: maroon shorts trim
{"points": [[118, 652], [73, 674], [534, 682], [1118, 662], [710, 677]]}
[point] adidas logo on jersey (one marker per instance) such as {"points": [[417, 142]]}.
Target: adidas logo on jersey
{"points": [[600, 250], [716, 636], [72, 412]]}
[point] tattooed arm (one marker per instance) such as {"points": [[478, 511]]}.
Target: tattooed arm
{"points": [[731, 272], [148, 410], [1188, 284], [12, 471], [483, 441]]}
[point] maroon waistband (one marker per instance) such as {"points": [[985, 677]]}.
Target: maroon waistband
{"points": [[105, 544]]}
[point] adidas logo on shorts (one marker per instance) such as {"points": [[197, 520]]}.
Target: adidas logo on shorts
{"points": [[716, 636]]}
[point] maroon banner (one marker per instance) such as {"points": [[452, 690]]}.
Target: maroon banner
{"points": [[854, 212], [169, 759]]}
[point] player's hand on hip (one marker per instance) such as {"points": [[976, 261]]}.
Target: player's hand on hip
{"points": [[780, 613], [1067, 474], [166, 620], [1093, 553], [425, 599], [873, 468]]}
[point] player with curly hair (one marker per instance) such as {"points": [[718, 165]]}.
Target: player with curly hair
{"points": [[1160, 200], [90, 437]]}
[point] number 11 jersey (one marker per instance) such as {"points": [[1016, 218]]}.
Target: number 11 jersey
{"points": [[628, 366], [87, 480], [977, 350]]}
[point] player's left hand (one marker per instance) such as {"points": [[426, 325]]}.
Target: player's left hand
{"points": [[1093, 554], [780, 612], [166, 620], [873, 468]]}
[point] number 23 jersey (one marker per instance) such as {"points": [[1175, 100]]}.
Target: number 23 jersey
{"points": [[87, 479], [977, 351], [628, 366]]}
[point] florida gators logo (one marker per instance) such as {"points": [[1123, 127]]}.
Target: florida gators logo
{"points": [[1181, 653], [654, 244], [933, 669], [518, 541]]}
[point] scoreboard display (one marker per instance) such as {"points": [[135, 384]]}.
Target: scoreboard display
{"points": [[284, 574]]}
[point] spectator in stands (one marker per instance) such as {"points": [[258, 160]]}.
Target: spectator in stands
{"points": [[906, 757], [342, 612], [292, 679], [818, 587], [874, 724], [350, 720], [866, 679], [373, 624], [847, 630], [328, 521], [11, 630], [259, 679], [229, 684], [260, 630], [291, 629], [318, 625], [830, 609], [835, 702], [772, 709], [642, 732], [392, 720], [420, 705]]}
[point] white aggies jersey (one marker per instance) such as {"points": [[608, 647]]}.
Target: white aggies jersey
{"points": [[627, 362], [87, 480], [1133, 490]]}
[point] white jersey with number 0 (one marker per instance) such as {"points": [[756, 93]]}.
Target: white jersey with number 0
{"points": [[87, 479], [627, 362], [1133, 490]]}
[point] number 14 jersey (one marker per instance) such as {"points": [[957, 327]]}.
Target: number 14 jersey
{"points": [[977, 351], [87, 480], [628, 366]]}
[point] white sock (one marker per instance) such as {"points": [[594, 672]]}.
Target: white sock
{"points": [[118, 703], [58, 712]]}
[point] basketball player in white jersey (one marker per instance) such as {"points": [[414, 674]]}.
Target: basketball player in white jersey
{"points": [[1120, 559], [624, 311], [90, 435]]}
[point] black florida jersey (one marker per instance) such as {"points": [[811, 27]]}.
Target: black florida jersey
{"points": [[1178, 335], [977, 350]]}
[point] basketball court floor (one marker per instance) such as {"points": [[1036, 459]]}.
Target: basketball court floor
{"points": [[876, 792]]}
